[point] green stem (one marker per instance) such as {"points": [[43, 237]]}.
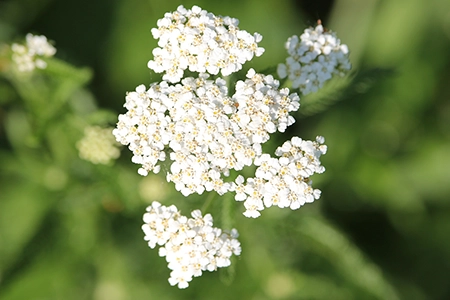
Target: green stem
{"points": [[207, 203], [227, 220]]}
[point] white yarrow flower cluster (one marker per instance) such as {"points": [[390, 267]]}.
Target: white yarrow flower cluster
{"points": [[190, 245], [314, 58], [195, 123], [28, 57], [205, 132], [98, 145], [199, 41], [283, 181]]}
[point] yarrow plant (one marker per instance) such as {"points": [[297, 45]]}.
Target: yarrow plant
{"points": [[206, 131], [219, 133]]}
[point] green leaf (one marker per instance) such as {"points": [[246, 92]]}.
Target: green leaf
{"points": [[49, 277], [65, 71], [22, 209], [346, 258]]}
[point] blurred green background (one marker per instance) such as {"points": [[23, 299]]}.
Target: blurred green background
{"points": [[381, 230]]}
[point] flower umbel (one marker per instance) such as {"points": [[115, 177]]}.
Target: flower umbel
{"points": [[283, 181], [314, 58], [207, 132], [198, 40], [206, 126], [190, 245]]}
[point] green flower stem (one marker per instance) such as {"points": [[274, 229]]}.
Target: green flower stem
{"points": [[207, 203], [227, 208]]}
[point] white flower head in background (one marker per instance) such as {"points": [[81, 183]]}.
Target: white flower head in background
{"points": [[199, 41], [28, 57], [190, 245], [98, 145], [314, 58]]}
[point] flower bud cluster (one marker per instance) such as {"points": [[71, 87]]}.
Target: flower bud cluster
{"points": [[198, 40], [28, 57], [283, 181], [98, 145], [313, 59], [190, 245]]}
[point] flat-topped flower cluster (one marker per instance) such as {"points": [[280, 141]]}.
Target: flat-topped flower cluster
{"points": [[283, 181], [204, 131], [208, 132], [190, 245], [199, 41], [205, 126]]}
